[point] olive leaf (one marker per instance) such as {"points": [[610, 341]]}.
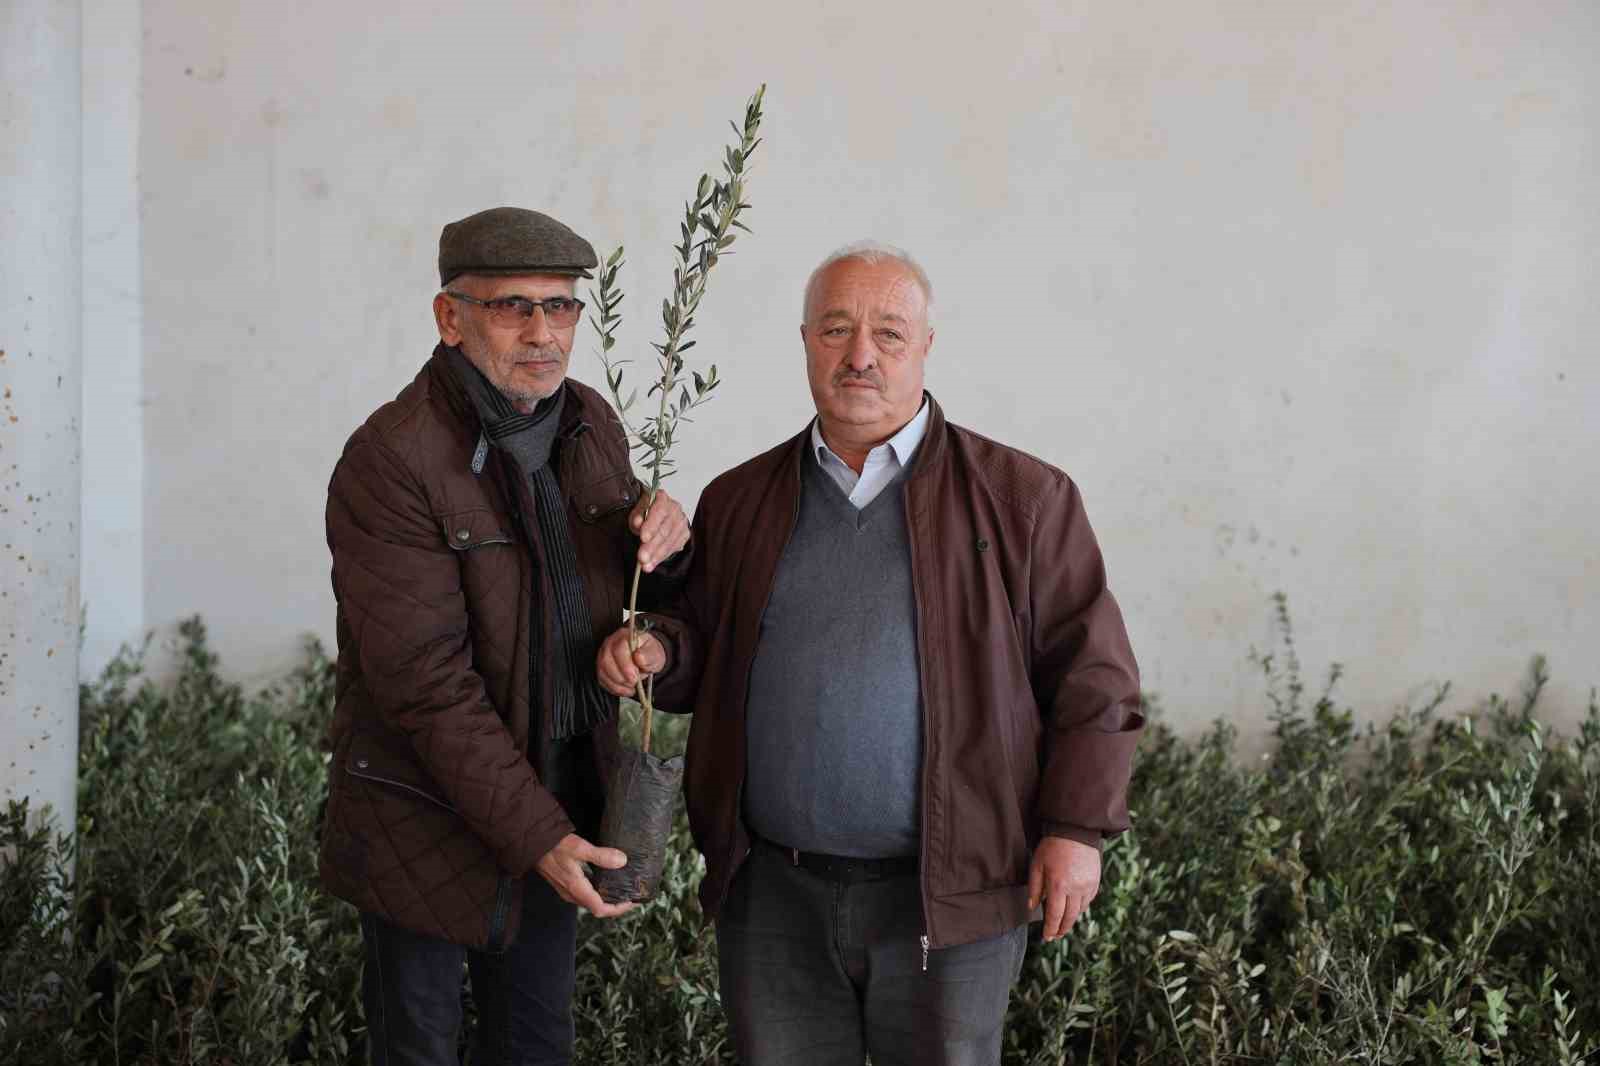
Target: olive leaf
{"points": [[710, 219]]}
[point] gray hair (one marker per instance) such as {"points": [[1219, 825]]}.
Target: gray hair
{"points": [[872, 253]]}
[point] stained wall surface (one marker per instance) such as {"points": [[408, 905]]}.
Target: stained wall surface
{"points": [[40, 415], [1302, 295]]}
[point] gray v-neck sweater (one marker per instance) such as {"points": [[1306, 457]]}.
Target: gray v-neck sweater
{"points": [[834, 736]]}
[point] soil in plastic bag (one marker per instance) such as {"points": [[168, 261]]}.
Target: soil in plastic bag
{"points": [[638, 818]]}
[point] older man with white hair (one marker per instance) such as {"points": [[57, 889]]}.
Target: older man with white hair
{"points": [[915, 704]]}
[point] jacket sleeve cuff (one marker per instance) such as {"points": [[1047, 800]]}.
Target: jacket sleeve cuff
{"points": [[676, 566], [673, 692], [669, 648], [1085, 781], [549, 824], [1092, 837]]}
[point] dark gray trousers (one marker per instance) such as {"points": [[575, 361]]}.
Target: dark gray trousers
{"points": [[411, 991], [824, 973]]}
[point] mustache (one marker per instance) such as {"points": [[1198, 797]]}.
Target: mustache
{"points": [[871, 377], [543, 353]]}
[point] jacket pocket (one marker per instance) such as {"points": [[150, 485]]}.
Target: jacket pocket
{"points": [[595, 500], [387, 760], [465, 530]]}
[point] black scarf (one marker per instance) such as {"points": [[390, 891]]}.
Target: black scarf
{"points": [[580, 702]]}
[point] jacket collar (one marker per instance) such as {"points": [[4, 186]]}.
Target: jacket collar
{"points": [[928, 455], [935, 442], [442, 381]]}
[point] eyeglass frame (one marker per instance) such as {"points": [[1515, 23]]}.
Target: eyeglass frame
{"points": [[542, 305]]}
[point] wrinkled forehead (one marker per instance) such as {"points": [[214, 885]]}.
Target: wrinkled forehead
{"points": [[852, 288]]}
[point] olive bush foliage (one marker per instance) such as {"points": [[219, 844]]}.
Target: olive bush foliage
{"points": [[191, 929], [1418, 891]]}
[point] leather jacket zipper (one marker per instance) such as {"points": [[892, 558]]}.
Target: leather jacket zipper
{"points": [[927, 733]]}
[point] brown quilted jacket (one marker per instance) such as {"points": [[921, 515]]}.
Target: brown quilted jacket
{"points": [[435, 812], [1030, 690]]}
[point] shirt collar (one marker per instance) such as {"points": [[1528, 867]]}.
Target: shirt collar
{"points": [[903, 443]]}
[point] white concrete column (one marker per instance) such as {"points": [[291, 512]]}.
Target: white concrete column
{"points": [[40, 400]]}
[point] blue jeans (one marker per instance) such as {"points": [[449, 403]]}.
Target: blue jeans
{"points": [[823, 973], [411, 991]]}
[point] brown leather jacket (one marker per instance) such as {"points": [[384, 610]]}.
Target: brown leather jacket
{"points": [[1029, 687], [435, 813]]}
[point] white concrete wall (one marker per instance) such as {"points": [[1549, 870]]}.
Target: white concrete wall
{"points": [[40, 364], [1303, 295], [113, 364]]}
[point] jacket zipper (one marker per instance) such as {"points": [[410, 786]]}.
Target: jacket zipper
{"points": [[513, 499], [535, 753], [922, 663], [497, 920]]}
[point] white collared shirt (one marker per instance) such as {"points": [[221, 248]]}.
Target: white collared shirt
{"points": [[883, 463]]}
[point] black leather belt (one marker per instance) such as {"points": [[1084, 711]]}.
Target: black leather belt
{"points": [[843, 867]]}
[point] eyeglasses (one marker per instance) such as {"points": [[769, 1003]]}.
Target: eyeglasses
{"points": [[559, 311]]}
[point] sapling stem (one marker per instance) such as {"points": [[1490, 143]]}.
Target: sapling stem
{"points": [[712, 215]]}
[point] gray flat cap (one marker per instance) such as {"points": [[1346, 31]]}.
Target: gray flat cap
{"points": [[512, 240]]}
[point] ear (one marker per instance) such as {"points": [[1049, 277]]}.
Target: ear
{"points": [[928, 350], [444, 314], [802, 333]]}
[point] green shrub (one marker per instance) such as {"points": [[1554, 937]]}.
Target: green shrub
{"points": [[1419, 892], [196, 932]]}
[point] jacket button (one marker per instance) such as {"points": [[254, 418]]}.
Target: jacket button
{"points": [[463, 534], [592, 510], [983, 545], [361, 764]]}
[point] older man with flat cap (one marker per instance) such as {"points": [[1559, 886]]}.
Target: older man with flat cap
{"points": [[482, 524]]}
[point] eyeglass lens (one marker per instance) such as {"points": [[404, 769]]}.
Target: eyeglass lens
{"points": [[559, 311]]}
